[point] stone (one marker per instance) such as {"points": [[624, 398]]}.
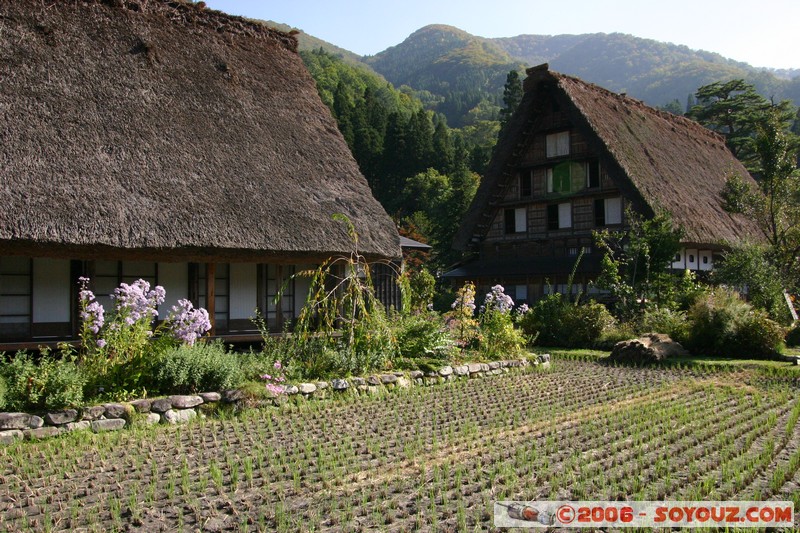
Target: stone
{"points": [[322, 385], [152, 419], [494, 365], [93, 412], [543, 358], [446, 371], [77, 426], [416, 374], [15, 421], [10, 436], [474, 368], [372, 390], [291, 390], [307, 388], [182, 401], [496, 371], [461, 370], [36, 422], [117, 410], [41, 433], [339, 384], [178, 416], [161, 405], [649, 348], [210, 397], [373, 380], [232, 396], [403, 382], [484, 367], [59, 418], [386, 379], [109, 424], [431, 374], [142, 406], [358, 381]]}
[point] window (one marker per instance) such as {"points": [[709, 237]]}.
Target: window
{"points": [[520, 293], [558, 144], [15, 296], [559, 178], [525, 186], [516, 220], [593, 174], [221, 293], [607, 211], [559, 216]]}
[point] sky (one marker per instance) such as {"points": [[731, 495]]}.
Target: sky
{"points": [[763, 33]]}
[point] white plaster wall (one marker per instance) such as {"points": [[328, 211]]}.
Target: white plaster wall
{"points": [[174, 277], [51, 290], [244, 290]]}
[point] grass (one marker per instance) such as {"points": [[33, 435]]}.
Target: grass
{"points": [[694, 361]]}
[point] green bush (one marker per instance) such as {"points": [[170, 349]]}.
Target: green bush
{"points": [[423, 335], [723, 324], [554, 321], [201, 367], [52, 383], [498, 337], [793, 335], [3, 390], [621, 331], [667, 321]]}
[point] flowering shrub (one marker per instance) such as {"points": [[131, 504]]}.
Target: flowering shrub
{"points": [[499, 337], [275, 380], [461, 322], [115, 345]]}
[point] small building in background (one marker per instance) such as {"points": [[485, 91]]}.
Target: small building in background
{"points": [[573, 158]]}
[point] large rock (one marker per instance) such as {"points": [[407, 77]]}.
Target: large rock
{"points": [[59, 418], [109, 424], [178, 416], [15, 421], [649, 348], [181, 401]]}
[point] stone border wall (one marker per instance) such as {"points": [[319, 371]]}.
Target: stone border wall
{"points": [[178, 409]]}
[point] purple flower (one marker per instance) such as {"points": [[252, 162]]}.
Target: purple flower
{"points": [[277, 365], [93, 313], [498, 300], [137, 301], [187, 323], [101, 343]]}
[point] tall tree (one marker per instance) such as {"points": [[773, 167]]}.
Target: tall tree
{"points": [[774, 204], [512, 96], [736, 110]]}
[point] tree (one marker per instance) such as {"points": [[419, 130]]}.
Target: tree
{"points": [[736, 110], [636, 261], [774, 203], [512, 96]]}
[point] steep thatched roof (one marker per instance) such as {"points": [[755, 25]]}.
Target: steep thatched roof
{"points": [[155, 128], [663, 161]]}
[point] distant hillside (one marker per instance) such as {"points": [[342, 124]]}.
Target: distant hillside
{"points": [[652, 71], [462, 76], [460, 69]]}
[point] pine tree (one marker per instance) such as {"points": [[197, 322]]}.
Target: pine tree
{"points": [[512, 96]]}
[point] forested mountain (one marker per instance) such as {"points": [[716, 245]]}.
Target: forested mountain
{"points": [[461, 75], [453, 71]]}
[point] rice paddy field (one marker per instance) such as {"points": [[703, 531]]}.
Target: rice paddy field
{"points": [[427, 459]]}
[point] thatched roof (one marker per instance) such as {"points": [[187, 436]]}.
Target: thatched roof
{"points": [[155, 128], [660, 160]]}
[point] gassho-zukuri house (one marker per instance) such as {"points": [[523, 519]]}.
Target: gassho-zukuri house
{"points": [[160, 140], [572, 159]]}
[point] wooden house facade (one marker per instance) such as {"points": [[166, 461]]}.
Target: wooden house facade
{"points": [[573, 158], [161, 140]]}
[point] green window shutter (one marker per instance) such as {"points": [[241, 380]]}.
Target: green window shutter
{"points": [[562, 178]]}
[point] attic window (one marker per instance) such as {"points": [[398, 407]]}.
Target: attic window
{"points": [[559, 178], [607, 211], [558, 144]]}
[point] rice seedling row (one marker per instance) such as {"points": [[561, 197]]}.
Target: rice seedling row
{"points": [[430, 458]]}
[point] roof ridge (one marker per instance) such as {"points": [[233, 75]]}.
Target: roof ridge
{"points": [[183, 11]]}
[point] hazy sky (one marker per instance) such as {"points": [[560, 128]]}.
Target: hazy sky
{"points": [[764, 33]]}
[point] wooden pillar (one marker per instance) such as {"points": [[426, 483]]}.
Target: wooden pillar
{"points": [[211, 275], [279, 322]]}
